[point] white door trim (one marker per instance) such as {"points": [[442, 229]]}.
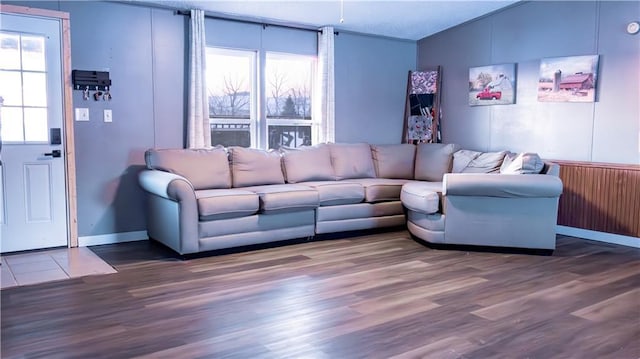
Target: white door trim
{"points": [[69, 157]]}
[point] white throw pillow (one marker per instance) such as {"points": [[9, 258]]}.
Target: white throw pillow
{"points": [[522, 163]]}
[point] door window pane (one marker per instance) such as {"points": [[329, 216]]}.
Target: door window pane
{"points": [[23, 86], [35, 125], [10, 85], [12, 124], [9, 51], [34, 88], [33, 56]]}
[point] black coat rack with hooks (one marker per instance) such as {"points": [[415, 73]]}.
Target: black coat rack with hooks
{"points": [[91, 80]]}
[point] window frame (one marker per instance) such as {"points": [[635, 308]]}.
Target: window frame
{"points": [[258, 120], [294, 122], [253, 120]]}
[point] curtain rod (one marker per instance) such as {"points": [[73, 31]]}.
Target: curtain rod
{"points": [[264, 24]]}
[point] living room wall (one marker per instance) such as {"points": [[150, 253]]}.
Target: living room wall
{"points": [[144, 49], [371, 84], [605, 131]]}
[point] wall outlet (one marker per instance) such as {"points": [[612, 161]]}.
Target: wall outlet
{"points": [[108, 116], [82, 114]]}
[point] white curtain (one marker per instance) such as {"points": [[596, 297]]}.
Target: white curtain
{"points": [[199, 132], [325, 108]]}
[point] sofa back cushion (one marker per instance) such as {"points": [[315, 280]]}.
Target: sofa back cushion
{"points": [[466, 161], [204, 168], [521, 163], [352, 160], [253, 167], [394, 161], [433, 160], [307, 163]]}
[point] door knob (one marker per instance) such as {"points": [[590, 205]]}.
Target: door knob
{"points": [[54, 153]]}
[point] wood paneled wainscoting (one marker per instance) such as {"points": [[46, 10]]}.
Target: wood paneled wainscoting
{"points": [[600, 197]]}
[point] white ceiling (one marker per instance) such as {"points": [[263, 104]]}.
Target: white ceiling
{"points": [[404, 19]]}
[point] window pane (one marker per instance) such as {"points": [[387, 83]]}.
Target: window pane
{"points": [[10, 86], [289, 136], [229, 83], [12, 124], [35, 89], [9, 51], [35, 125], [33, 58], [288, 86], [231, 134]]}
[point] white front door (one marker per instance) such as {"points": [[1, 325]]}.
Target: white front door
{"points": [[33, 203]]}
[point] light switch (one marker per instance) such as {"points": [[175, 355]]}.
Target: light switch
{"points": [[82, 114], [108, 116]]}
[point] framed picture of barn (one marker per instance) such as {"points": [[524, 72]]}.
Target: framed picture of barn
{"points": [[492, 85], [568, 79]]}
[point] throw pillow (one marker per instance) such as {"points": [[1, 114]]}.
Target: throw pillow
{"points": [[483, 162], [462, 158], [253, 167], [433, 160], [307, 163], [522, 163], [394, 161], [204, 168], [352, 160]]}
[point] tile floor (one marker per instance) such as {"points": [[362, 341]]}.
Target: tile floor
{"points": [[45, 266]]}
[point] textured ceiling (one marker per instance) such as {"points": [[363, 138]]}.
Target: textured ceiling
{"points": [[411, 20]]}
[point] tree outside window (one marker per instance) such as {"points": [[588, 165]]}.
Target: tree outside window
{"points": [[289, 80]]}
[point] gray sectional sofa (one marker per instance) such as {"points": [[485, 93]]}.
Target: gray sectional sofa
{"points": [[209, 199]]}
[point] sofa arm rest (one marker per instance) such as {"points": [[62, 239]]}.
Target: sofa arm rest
{"points": [[172, 210], [166, 185], [501, 185]]}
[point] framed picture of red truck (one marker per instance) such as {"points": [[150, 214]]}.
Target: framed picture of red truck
{"points": [[568, 79], [492, 85]]}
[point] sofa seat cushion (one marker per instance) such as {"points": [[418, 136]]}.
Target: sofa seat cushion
{"points": [[421, 197], [225, 203], [432, 222], [285, 198], [333, 193], [381, 189]]}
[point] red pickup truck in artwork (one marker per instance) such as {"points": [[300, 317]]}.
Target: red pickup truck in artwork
{"points": [[487, 94]]}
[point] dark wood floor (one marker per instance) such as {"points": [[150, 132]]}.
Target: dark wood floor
{"points": [[373, 296]]}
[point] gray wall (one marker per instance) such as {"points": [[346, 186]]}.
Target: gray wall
{"points": [[371, 85], [605, 131], [144, 49]]}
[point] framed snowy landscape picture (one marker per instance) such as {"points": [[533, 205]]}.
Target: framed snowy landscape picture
{"points": [[492, 85], [568, 79]]}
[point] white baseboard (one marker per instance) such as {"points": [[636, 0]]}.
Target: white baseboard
{"points": [[112, 238], [599, 236]]}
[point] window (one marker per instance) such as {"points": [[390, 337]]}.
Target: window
{"points": [[22, 67], [230, 87], [248, 111], [288, 84]]}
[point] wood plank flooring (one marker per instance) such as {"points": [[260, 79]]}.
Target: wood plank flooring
{"points": [[379, 295]]}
